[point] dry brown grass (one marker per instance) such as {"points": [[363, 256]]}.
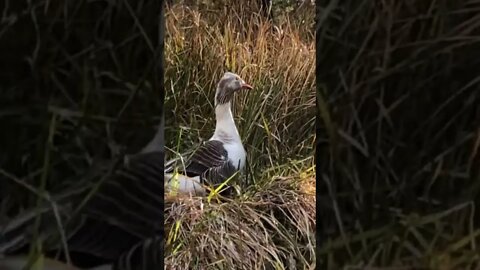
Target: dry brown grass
{"points": [[271, 224], [272, 228]]}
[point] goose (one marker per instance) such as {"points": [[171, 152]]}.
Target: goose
{"points": [[126, 211], [218, 158]]}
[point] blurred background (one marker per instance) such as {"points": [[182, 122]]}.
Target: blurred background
{"points": [[398, 124], [270, 44], [80, 85], [203, 40]]}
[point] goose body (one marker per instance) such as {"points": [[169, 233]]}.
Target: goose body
{"points": [[222, 155]]}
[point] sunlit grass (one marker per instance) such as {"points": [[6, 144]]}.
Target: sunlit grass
{"points": [[270, 222]]}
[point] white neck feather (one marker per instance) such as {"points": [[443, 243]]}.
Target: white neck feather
{"points": [[226, 132], [225, 124]]}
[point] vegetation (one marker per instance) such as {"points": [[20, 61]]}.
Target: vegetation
{"points": [[271, 224], [80, 86], [398, 164]]}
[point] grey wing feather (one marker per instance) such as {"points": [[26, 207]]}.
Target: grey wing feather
{"points": [[211, 154], [217, 175], [210, 162]]}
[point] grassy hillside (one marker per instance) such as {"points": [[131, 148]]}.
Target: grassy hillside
{"points": [[272, 223]]}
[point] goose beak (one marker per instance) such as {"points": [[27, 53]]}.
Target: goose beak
{"points": [[246, 86]]}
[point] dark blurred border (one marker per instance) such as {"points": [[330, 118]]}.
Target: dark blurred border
{"points": [[398, 90], [96, 67]]}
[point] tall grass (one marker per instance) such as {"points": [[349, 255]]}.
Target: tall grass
{"points": [[79, 86], [398, 90], [279, 66], [271, 223]]}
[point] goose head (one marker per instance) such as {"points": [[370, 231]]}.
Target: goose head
{"points": [[228, 85]]}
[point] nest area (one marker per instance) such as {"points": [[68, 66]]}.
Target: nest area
{"points": [[262, 229]]}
